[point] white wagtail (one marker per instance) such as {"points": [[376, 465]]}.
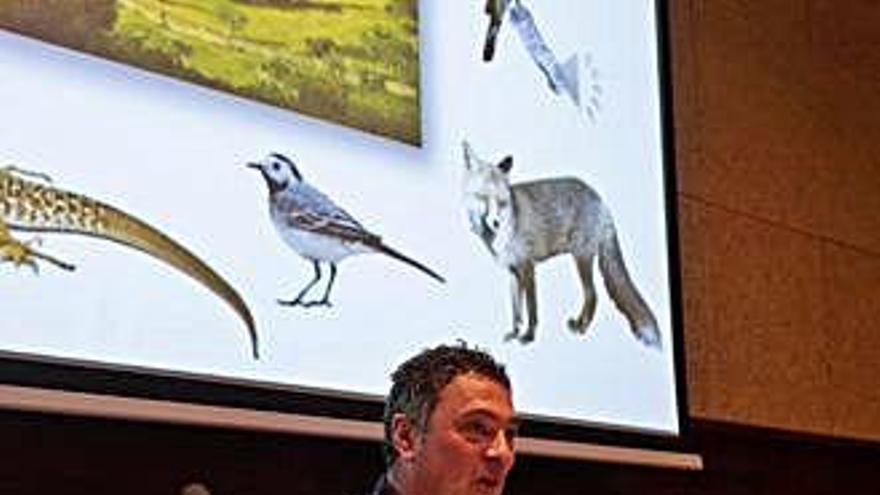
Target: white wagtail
{"points": [[315, 227]]}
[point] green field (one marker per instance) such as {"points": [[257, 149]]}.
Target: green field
{"points": [[353, 62]]}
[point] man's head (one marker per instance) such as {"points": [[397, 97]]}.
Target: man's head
{"points": [[449, 423]]}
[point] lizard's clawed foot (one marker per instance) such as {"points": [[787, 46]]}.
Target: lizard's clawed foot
{"points": [[18, 254], [26, 173], [21, 253]]}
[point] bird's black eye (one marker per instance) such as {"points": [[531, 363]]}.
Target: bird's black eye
{"points": [[276, 167]]}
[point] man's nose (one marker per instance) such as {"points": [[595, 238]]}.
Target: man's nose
{"points": [[501, 448]]}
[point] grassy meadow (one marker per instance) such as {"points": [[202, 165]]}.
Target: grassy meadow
{"points": [[353, 62]]}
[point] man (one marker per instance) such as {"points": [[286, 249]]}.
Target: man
{"points": [[449, 425]]}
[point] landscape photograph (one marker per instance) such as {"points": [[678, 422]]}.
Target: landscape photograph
{"points": [[350, 62]]}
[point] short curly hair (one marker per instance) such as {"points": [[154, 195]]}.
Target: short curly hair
{"points": [[417, 383]]}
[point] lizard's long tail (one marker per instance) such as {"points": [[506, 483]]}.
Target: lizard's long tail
{"points": [[75, 213]]}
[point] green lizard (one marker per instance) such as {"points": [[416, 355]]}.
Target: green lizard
{"points": [[30, 206]]}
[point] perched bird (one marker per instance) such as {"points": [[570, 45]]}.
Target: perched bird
{"points": [[315, 227]]}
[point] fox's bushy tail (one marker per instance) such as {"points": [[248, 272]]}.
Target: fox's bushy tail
{"points": [[624, 293]]}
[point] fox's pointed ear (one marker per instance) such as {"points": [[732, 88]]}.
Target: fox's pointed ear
{"points": [[468, 153], [506, 164]]}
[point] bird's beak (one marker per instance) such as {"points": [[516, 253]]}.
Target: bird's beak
{"points": [[254, 165]]}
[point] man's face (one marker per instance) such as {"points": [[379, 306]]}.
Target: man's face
{"points": [[467, 446]]}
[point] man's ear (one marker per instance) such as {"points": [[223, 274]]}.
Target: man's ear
{"points": [[506, 164], [404, 436]]}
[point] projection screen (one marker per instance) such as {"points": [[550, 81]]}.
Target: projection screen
{"points": [[179, 174]]}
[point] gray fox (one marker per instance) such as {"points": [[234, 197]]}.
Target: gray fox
{"points": [[526, 223]]}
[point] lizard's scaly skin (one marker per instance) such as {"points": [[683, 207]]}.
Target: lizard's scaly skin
{"points": [[30, 206]]}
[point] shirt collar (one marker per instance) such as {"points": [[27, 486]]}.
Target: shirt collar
{"points": [[384, 487]]}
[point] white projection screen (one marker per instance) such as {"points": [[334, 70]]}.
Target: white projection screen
{"points": [[141, 259]]}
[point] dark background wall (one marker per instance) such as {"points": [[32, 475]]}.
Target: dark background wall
{"points": [[778, 138], [66, 455]]}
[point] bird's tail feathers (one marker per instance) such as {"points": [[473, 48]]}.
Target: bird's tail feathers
{"points": [[399, 256]]}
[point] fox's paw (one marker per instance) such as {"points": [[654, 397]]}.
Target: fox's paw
{"points": [[577, 326], [511, 335], [527, 338], [650, 336]]}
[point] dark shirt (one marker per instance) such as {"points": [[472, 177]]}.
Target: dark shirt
{"points": [[383, 487]]}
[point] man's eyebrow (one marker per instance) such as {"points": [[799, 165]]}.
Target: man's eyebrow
{"points": [[515, 421]]}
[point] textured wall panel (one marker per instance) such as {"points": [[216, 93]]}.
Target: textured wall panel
{"points": [[778, 135], [852, 294], [757, 349], [787, 114]]}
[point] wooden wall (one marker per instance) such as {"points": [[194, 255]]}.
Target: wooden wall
{"points": [[778, 136]]}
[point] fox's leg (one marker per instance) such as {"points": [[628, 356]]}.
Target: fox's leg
{"points": [[528, 282], [516, 298], [585, 271]]}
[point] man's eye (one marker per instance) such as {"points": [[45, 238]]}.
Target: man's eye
{"points": [[510, 435], [478, 431]]}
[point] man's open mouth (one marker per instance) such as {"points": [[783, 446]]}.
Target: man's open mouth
{"points": [[490, 483]]}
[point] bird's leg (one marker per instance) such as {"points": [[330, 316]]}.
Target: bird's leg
{"points": [[297, 301], [326, 299]]}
